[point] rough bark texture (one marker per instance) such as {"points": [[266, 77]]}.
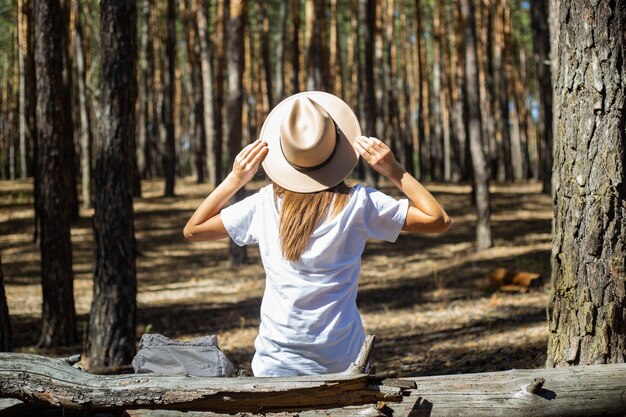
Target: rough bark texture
{"points": [[367, 14], [481, 176], [221, 35], [587, 310], [576, 391], [59, 317], [113, 311], [237, 254], [6, 344], [205, 77]]}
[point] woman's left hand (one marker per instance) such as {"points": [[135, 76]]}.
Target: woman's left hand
{"points": [[248, 160]]}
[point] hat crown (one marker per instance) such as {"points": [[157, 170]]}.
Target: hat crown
{"points": [[308, 135]]}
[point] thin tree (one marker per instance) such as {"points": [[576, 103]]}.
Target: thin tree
{"points": [[541, 49], [367, 14], [237, 254], [221, 37], [113, 310], [58, 313], [279, 65], [144, 110], [295, 47], [23, 12], [167, 107], [6, 344], [205, 76], [588, 303], [481, 176], [84, 127]]}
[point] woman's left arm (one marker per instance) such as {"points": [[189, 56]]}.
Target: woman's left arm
{"points": [[206, 223]]}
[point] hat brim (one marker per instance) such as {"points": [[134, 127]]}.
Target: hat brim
{"points": [[336, 170]]}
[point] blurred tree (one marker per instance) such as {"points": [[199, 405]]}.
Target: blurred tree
{"points": [[58, 314], [167, 106], [235, 57], [481, 176], [587, 308], [6, 344], [113, 311], [541, 48], [221, 39]]}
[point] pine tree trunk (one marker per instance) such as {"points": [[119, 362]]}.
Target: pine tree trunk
{"points": [[423, 113], [265, 54], [279, 68], [205, 106], [541, 48], [23, 10], [295, 45], [587, 308], [58, 313], [193, 41], [221, 37], [236, 56], [144, 112], [84, 126], [481, 177], [6, 344], [367, 14], [113, 310], [459, 103], [169, 96]]}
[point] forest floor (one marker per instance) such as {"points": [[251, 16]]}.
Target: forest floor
{"points": [[431, 301]]}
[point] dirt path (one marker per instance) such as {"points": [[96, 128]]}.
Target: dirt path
{"points": [[428, 299]]}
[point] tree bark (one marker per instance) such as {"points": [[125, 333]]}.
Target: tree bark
{"points": [[58, 314], [237, 254], [367, 14], [23, 13], [84, 128], [6, 344], [541, 49], [205, 76], [145, 129], [221, 38], [587, 308], [113, 310], [577, 391], [279, 68], [481, 176], [169, 95], [295, 45], [423, 113]]}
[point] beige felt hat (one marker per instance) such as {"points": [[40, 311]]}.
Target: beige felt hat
{"points": [[309, 137]]}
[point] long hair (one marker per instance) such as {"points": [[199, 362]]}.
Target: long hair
{"points": [[300, 213]]}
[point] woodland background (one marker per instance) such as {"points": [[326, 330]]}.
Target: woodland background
{"points": [[103, 102]]}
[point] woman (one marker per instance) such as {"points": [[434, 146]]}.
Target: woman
{"points": [[311, 229]]}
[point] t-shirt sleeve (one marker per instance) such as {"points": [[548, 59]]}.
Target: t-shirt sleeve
{"points": [[239, 220], [384, 216]]}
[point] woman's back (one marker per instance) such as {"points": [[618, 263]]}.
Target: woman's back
{"points": [[309, 320]]}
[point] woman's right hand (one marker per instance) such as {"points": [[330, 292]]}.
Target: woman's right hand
{"points": [[247, 162]]}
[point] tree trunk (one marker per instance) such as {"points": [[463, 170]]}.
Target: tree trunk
{"points": [[295, 45], [144, 108], [265, 54], [279, 69], [423, 113], [541, 48], [335, 59], [459, 103], [169, 95], [113, 310], [595, 390], [69, 142], [367, 14], [194, 58], [58, 314], [84, 126], [205, 77], [237, 254], [587, 308], [23, 12], [481, 177], [6, 345], [221, 38]]}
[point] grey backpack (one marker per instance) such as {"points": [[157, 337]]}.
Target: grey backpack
{"points": [[198, 357]]}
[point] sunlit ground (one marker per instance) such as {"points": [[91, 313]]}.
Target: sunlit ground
{"points": [[428, 299]]}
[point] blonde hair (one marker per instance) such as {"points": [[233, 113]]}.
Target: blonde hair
{"points": [[300, 213]]}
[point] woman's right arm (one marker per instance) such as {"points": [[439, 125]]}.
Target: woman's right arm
{"points": [[206, 223], [426, 215]]}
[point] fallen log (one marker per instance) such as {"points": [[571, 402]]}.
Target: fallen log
{"points": [[597, 390], [32, 378]]}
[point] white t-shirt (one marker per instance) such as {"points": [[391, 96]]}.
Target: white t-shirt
{"points": [[309, 320]]}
